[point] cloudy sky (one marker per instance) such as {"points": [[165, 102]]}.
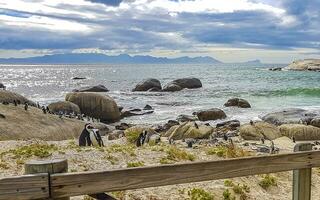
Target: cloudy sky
{"points": [[274, 31]]}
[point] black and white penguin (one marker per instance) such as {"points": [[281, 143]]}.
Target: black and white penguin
{"points": [[262, 140], [90, 137], [225, 137], [293, 139], [141, 139], [26, 106]]}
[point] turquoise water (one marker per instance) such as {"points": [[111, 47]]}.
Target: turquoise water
{"points": [[265, 90]]}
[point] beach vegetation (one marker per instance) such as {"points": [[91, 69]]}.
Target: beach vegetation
{"points": [[128, 149], [227, 195], [4, 165], [135, 164], [132, 134], [199, 194], [227, 151], [268, 181], [119, 194], [36, 149], [174, 154], [112, 159]]}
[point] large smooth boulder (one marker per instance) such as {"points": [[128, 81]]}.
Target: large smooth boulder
{"points": [[259, 130], [189, 83], [211, 114], [96, 105], [305, 65], [289, 116], [189, 130], [96, 88], [66, 107], [171, 87], [148, 84], [315, 122], [10, 97], [237, 102], [300, 131]]}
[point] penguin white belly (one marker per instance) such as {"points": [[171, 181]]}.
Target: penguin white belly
{"points": [[93, 138]]}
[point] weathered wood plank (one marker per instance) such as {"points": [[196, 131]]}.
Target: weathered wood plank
{"points": [[302, 177], [24, 187], [73, 184]]}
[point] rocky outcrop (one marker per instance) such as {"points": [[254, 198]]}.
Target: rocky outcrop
{"points": [[2, 86], [9, 97], [315, 122], [97, 88], [135, 112], [182, 83], [300, 131], [171, 87], [186, 118], [211, 114], [148, 84], [237, 102], [289, 116], [189, 130], [259, 130], [305, 65], [96, 105], [65, 107], [231, 124], [32, 124]]}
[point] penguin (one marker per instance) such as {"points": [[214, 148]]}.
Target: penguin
{"points": [[44, 110], [84, 139], [225, 137], [95, 137], [141, 138], [251, 122], [293, 139], [272, 150], [262, 140], [196, 125], [26, 106]]}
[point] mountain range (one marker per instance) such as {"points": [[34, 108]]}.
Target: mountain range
{"points": [[94, 58]]}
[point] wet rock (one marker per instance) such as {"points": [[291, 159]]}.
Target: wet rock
{"points": [[211, 114], [237, 102], [171, 87], [259, 130], [130, 113], [288, 116], [275, 69], [147, 85], [123, 126], [65, 107], [97, 88], [186, 118], [154, 89], [300, 131], [189, 130], [96, 105], [189, 83], [78, 78], [120, 108], [148, 107], [2, 86], [231, 124]]}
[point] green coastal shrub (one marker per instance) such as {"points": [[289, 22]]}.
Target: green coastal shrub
{"points": [[38, 150], [132, 134], [128, 149], [267, 181], [135, 164], [199, 194], [228, 151], [227, 195], [176, 154]]}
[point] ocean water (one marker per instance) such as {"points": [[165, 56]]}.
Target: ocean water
{"points": [[265, 90]]}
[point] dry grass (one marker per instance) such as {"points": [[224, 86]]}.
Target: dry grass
{"points": [[228, 151]]}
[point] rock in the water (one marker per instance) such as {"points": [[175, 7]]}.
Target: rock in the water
{"points": [[189, 130], [189, 83], [147, 85], [96, 105], [2, 86], [96, 88], [259, 130], [232, 124], [186, 118], [300, 131], [66, 107], [288, 116], [305, 65], [9, 97], [148, 107], [171, 87], [211, 114], [315, 122], [78, 78], [123, 126], [275, 69], [241, 103], [130, 113]]}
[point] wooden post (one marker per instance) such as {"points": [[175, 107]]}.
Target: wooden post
{"points": [[302, 177], [47, 166]]}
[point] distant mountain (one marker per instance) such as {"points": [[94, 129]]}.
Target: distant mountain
{"points": [[93, 58]]}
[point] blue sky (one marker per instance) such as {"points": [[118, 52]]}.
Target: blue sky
{"points": [[275, 31]]}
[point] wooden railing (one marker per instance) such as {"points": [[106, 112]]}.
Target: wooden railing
{"points": [[51, 185]]}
